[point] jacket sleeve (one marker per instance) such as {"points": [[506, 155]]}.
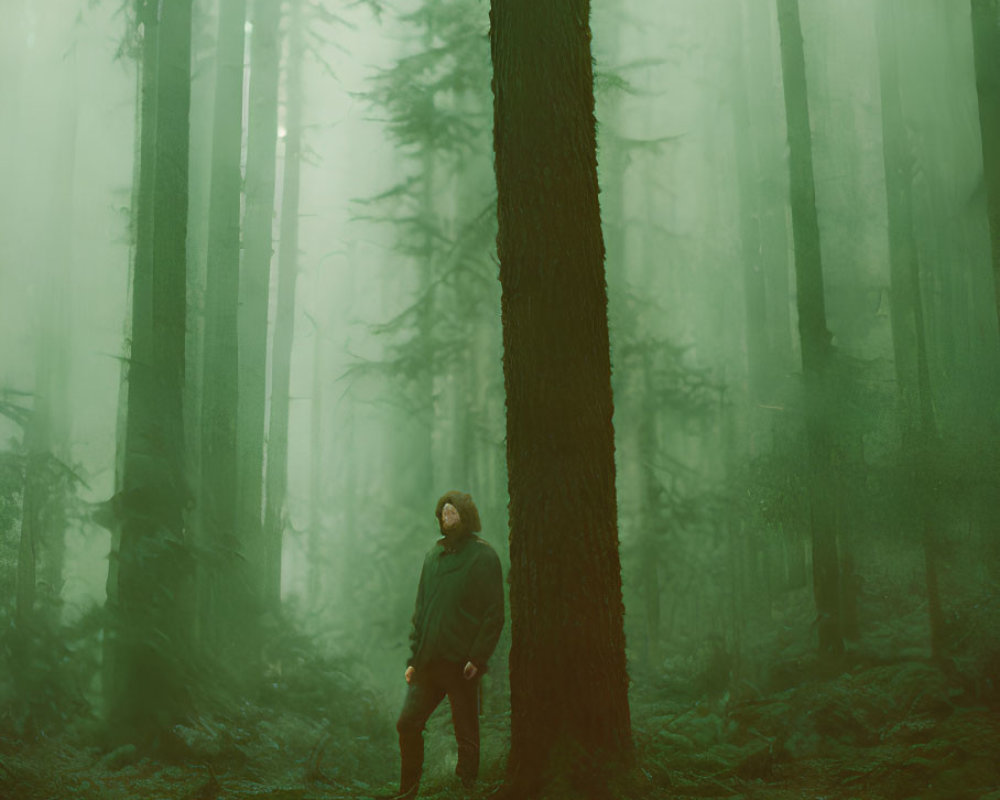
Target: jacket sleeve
{"points": [[490, 579], [416, 634]]}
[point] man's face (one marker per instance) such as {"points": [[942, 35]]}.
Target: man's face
{"points": [[449, 517]]}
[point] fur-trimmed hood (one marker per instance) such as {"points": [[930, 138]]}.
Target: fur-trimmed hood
{"points": [[466, 509]]}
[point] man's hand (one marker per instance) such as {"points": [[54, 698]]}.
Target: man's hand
{"points": [[410, 672], [470, 671]]}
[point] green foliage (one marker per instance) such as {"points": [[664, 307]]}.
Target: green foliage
{"points": [[11, 487], [49, 672], [438, 110]]}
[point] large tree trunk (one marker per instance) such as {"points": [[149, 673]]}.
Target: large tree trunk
{"points": [[986, 42], [276, 481], [813, 334], [908, 327], [222, 591], [255, 279], [149, 691], [569, 701]]}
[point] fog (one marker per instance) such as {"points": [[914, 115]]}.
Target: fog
{"points": [[809, 565]]}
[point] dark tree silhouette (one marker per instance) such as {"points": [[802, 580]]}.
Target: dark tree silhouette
{"points": [[908, 327], [569, 702], [152, 597], [986, 40], [222, 594], [814, 336]]}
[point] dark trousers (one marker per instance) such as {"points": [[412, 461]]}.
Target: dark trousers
{"points": [[426, 691]]}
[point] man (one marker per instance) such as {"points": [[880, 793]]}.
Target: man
{"points": [[456, 625]]}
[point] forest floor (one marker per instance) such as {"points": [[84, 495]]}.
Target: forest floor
{"points": [[885, 724], [887, 732]]}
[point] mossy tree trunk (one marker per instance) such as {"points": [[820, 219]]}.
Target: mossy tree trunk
{"points": [[569, 702], [814, 337], [150, 688]]}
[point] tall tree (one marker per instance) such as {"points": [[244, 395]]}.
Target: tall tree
{"points": [[814, 336], [317, 495], [222, 588], [255, 278], [48, 255], [569, 701], [986, 42], [770, 146], [759, 370], [148, 688], [916, 410], [276, 479]]}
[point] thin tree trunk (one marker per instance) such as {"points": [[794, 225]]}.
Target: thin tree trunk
{"points": [[908, 327], [317, 563], [150, 688], [569, 703], [813, 333], [276, 480], [747, 172], [59, 345], [426, 318], [222, 590], [31, 524], [255, 279], [769, 144], [986, 43], [650, 502]]}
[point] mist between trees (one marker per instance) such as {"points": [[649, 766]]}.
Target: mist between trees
{"points": [[275, 275]]}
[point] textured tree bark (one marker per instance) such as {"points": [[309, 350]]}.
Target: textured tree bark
{"points": [[255, 279], [153, 609], [813, 333], [569, 703], [276, 479], [986, 43], [908, 326], [222, 589]]}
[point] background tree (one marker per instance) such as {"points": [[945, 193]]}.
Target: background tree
{"points": [[223, 590], [255, 277], [916, 413], [986, 42], [276, 476], [814, 335], [152, 637]]}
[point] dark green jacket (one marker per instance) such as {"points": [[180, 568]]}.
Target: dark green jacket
{"points": [[459, 611]]}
